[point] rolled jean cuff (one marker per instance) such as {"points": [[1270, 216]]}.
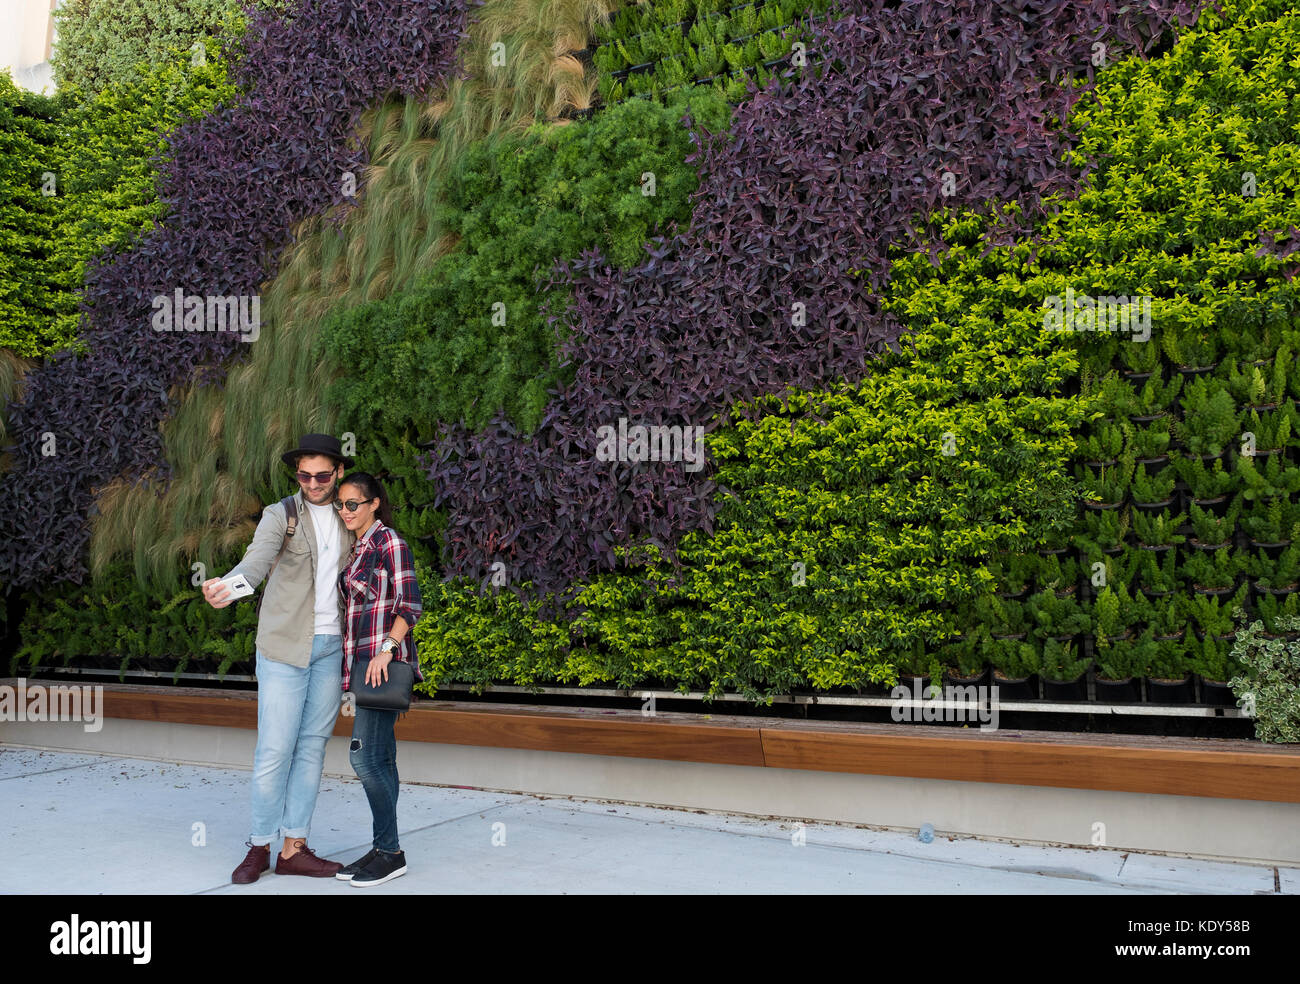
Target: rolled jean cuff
{"points": [[298, 833], [261, 840]]}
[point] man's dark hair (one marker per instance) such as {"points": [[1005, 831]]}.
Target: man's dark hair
{"points": [[297, 459]]}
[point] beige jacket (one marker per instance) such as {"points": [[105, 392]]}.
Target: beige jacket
{"points": [[288, 619]]}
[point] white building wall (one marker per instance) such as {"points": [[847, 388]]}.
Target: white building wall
{"points": [[26, 40]]}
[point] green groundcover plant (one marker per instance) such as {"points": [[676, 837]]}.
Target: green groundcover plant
{"points": [[1270, 686]]}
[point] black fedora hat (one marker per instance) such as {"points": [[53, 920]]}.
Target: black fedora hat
{"points": [[325, 444]]}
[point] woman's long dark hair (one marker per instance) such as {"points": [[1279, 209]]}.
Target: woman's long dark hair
{"points": [[371, 488]]}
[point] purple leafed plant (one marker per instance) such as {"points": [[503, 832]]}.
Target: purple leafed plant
{"points": [[818, 178], [234, 183]]}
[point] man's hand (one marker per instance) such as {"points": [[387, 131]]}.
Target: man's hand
{"points": [[378, 666], [217, 592]]}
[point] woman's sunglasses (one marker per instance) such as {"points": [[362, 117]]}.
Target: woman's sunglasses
{"points": [[351, 505]]}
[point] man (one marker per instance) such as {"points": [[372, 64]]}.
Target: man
{"points": [[299, 658]]}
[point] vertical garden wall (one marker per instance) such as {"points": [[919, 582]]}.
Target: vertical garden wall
{"points": [[983, 316]]}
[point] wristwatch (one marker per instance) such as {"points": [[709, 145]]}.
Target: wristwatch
{"points": [[388, 645]]}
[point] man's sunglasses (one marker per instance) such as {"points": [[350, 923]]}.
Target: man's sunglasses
{"points": [[351, 505], [320, 477]]}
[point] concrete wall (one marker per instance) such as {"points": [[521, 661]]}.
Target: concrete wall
{"points": [[25, 42], [1243, 830]]}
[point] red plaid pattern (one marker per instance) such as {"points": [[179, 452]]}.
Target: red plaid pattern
{"points": [[377, 586]]}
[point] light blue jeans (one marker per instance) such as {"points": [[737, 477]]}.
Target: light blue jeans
{"points": [[296, 709]]}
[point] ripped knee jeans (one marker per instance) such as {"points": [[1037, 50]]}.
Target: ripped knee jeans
{"points": [[373, 753]]}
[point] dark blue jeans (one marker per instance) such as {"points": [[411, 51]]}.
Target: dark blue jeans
{"points": [[373, 753]]}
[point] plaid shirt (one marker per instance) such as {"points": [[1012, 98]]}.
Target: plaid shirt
{"points": [[375, 587]]}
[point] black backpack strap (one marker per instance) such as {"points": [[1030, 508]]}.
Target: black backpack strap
{"points": [[291, 512]]}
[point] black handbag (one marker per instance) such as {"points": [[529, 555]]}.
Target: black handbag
{"points": [[394, 694]]}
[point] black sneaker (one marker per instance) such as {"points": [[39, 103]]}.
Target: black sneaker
{"points": [[347, 873], [383, 867]]}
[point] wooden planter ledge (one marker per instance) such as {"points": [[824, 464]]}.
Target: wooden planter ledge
{"points": [[1227, 769]]}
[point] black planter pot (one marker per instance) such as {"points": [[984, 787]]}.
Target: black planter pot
{"points": [[1148, 418], [1154, 466], [1153, 595], [1099, 465], [1271, 550], [1127, 691], [908, 680], [950, 678], [1014, 595], [1153, 507], [1139, 377], [1053, 551], [1217, 693], [1209, 459], [1265, 454], [1101, 506], [1201, 635], [1213, 592], [1171, 691], [1022, 688], [1289, 589], [1218, 506], [1208, 547], [1196, 370], [1075, 691], [1114, 551], [1155, 547]]}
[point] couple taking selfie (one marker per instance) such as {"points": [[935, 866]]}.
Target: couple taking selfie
{"points": [[335, 618]]}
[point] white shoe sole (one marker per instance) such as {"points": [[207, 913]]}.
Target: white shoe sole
{"points": [[379, 881]]}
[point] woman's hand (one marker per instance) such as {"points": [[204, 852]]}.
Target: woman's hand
{"points": [[377, 669]]}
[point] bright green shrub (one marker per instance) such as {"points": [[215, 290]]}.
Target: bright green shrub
{"points": [[96, 150], [34, 295]]}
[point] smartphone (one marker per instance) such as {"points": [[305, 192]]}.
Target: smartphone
{"points": [[238, 585]]}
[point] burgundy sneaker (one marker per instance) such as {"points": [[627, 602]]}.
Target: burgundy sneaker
{"points": [[251, 868], [305, 862]]}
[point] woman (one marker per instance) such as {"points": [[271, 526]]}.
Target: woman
{"points": [[380, 601]]}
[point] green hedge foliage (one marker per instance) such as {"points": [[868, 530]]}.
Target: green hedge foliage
{"points": [[97, 149], [34, 295], [690, 42], [119, 625], [103, 42]]}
